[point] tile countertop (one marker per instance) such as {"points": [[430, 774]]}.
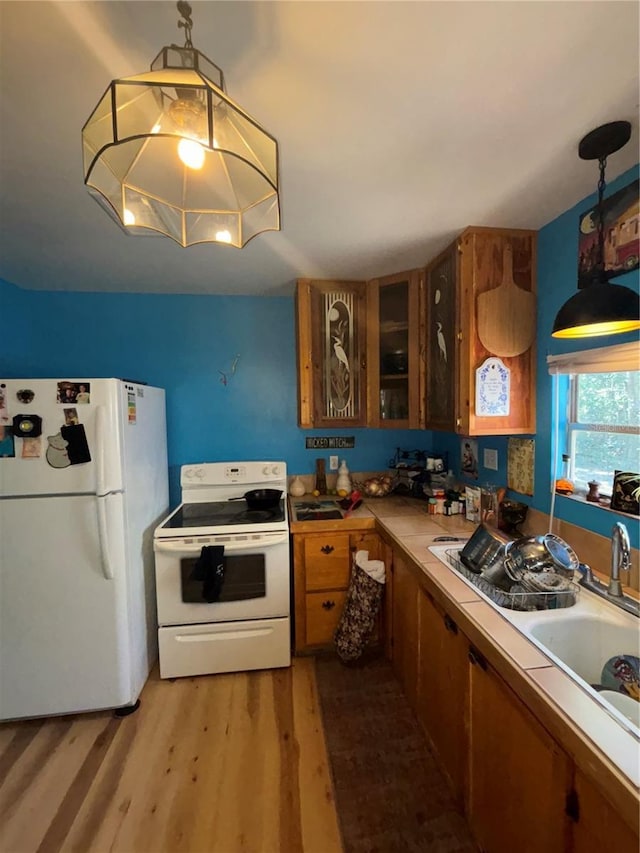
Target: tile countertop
{"points": [[370, 511], [605, 751]]}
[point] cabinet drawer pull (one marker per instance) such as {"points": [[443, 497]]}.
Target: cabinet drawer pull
{"points": [[328, 605], [475, 658], [327, 549], [450, 625]]}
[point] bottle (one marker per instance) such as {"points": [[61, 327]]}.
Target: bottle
{"points": [[564, 486], [321, 477], [297, 489], [343, 483]]}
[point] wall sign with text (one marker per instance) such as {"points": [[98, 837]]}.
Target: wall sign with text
{"points": [[334, 442]]}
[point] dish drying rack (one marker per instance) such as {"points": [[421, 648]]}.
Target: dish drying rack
{"points": [[520, 600]]}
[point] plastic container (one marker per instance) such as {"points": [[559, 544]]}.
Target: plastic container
{"points": [[343, 483]]}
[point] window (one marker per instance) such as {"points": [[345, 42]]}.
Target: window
{"points": [[597, 413], [603, 427]]}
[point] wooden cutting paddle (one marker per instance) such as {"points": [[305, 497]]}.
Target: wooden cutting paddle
{"points": [[506, 314]]}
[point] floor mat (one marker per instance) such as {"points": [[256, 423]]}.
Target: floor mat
{"points": [[390, 794]]}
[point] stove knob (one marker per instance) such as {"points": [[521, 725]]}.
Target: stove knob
{"points": [[200, 473], [189, 473], [275, 470], [266, 470]]}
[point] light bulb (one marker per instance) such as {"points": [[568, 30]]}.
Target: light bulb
{"points": [[223, 236], [129, 218], [191, 153]]}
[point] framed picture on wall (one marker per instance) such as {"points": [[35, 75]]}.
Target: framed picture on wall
{"points": [[520, 465], [621, 239]]}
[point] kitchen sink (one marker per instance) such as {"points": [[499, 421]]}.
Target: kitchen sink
{"points": [[583, 642], [585, 637], [580, 640]]}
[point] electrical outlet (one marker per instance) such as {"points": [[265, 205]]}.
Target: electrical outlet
{"points": [[490, 459], [333, 463]]}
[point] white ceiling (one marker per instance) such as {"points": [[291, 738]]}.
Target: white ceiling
{"points": [[399, 124]]}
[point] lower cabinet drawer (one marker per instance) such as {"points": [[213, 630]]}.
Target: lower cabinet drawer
{"points": [[324, 610], [327, 561], [223, 647]]}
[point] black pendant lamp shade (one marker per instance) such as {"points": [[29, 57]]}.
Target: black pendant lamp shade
{"points": [[600, 308]]}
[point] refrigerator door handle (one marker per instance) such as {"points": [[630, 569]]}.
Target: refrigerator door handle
{"points": [[103, 538], [101, 488]]}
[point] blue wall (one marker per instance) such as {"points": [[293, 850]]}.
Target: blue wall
{"points": [[557, 282], [185, 343], [557, 276]]}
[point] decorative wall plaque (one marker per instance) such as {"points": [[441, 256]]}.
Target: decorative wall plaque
{"points": [[493, 386], [520, 465], [334, 442]]}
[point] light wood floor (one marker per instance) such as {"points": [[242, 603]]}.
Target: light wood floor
{"points": [[219, 763]]}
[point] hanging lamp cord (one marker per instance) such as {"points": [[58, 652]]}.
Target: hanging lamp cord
{"points": [[185, 11], [599, 270]]}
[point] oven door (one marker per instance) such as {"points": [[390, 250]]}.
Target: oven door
{"points": [[254, 582]]}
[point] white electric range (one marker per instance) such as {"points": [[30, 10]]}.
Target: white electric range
{"points": [[223, 573]]}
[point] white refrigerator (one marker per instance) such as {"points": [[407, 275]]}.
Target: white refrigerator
{"points": [[83, 484]]}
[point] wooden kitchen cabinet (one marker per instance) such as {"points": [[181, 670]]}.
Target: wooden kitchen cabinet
{"points": [[443, 691], [331, 349], [519, 788], [394, 351], [322, 569], [470, 267], [596, 826], [406, 614], [519, 778], [359, 352]]}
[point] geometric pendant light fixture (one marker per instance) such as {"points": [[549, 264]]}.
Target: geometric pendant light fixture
{"points": [[168, 152], [600, 308]]}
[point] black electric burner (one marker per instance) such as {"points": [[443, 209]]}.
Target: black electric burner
{"points": [[221, 513], [317, 511]]}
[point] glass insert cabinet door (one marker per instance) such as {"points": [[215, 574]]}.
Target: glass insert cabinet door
{"points": [[440, 317], [393, 315], [331, 353]]}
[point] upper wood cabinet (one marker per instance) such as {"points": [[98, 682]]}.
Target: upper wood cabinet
{"points": [[359, 352], [393, 350], [404, 351], [479, 302], [331, 341]]}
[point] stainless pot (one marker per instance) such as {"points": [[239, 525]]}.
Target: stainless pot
{"points": [[538, 554], [484, 548]]}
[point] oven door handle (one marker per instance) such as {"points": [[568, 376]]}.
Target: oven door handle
{"points": [[229, 547]]}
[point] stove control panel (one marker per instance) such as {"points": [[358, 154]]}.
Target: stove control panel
{"points": [[220, 474], [235, 473], [194, 473]]}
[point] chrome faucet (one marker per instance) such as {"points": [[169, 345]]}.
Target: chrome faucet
{"points": [[620, 557]]}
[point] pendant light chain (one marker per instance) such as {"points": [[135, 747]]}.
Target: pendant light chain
{"points": [[601, 188], [185, 11]]}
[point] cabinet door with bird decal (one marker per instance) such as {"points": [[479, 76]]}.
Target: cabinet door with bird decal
{"points": [[441, 357], [331, 353]]}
